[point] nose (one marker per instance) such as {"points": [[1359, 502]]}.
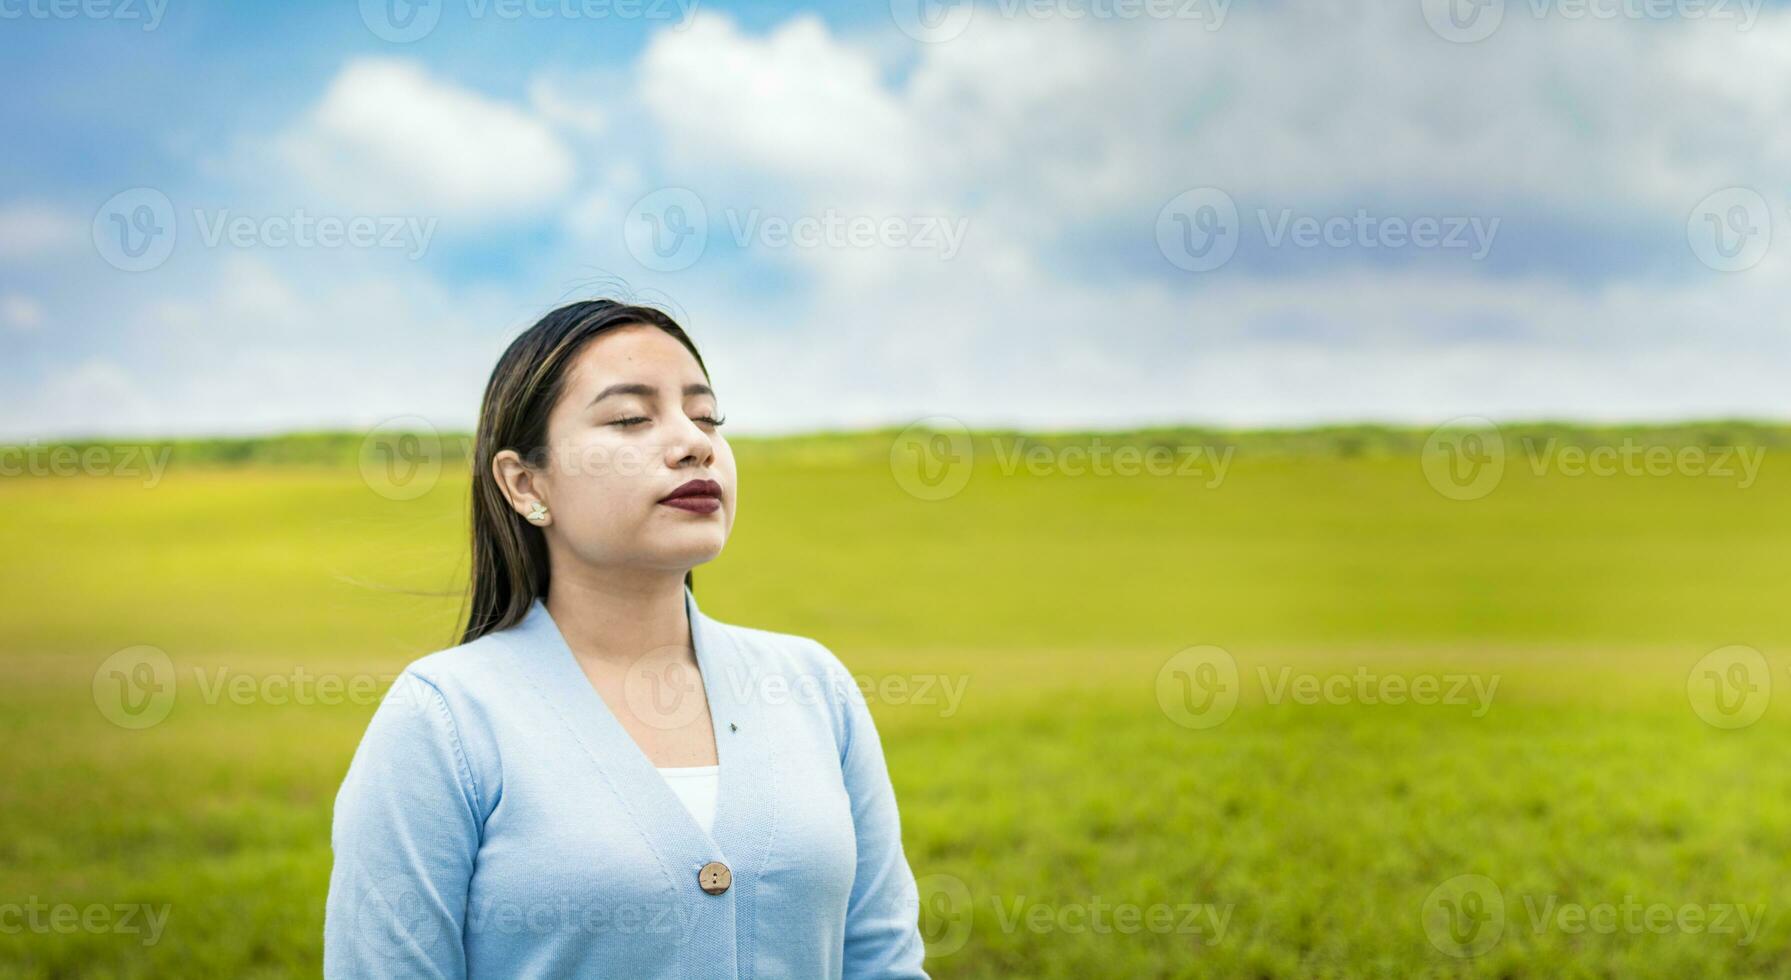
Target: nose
{"points": [[688, 445]]}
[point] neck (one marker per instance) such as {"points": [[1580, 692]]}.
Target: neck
{"points": [[618, 614]]}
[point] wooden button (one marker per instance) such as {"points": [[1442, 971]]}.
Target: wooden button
{"points": [[715, 877]]}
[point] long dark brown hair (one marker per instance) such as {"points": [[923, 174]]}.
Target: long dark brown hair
{"points": [[510, 567]]}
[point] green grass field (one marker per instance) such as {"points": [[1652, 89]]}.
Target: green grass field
{"points": [[1083, 811]]}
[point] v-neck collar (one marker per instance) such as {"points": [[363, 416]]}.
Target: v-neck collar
{"points": [[746, 795]]}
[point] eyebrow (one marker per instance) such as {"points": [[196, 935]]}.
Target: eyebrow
{"points": [[636, 388]]}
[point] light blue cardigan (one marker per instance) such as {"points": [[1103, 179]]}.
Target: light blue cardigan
{"points": [[498, 821]]}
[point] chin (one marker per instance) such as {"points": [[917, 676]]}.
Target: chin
{"points": [[691, 553]]}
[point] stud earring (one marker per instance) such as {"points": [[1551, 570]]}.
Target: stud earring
{"points": [[537, 513]]}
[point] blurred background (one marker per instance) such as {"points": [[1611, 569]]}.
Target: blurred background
{"points": [[1302, 485]]}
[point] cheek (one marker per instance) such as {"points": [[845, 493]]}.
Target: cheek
{"points": [[599, 485], [724, 463]]}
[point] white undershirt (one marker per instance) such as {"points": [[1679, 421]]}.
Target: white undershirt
{"points": [[697, 787]]}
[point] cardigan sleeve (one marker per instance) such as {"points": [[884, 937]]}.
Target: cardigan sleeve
{"points": [[405, 834], [883, 915]]}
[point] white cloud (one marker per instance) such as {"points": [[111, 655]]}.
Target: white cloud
{"points": [[265, 342], [1047, 134], [1062, 120], [93, 397], [552, 101], [21, 312], [795, 103], [388, 136], [29, 229], [1058, 141]]}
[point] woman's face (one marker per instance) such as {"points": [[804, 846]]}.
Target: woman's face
{"points": [[635, 422]]}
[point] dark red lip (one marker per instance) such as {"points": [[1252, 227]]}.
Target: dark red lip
{"points": [[700, 504], [696, 496], [695, 488]]}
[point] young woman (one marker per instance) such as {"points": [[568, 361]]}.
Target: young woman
{"points": [[600, 780]]}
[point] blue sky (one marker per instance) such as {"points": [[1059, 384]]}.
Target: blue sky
{"points": [[1056, 212]]}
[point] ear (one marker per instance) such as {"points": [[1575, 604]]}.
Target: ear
{"points": [[522, 485]]}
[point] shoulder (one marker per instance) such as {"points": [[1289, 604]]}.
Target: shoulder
{"points": [[464, 667], [769, 648], [441, 714], [462, 688]]}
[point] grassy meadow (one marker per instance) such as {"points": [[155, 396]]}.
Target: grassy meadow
{"points": [[1093, 804]]}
